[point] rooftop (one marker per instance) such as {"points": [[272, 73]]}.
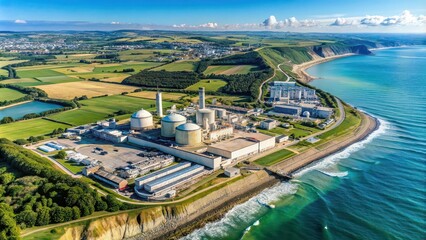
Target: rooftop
{"points": [[109, 176], [188, 127], [233, 144], [141, 114], [173, 117]]}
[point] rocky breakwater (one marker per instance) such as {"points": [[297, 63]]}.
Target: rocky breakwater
{"points": [[172, 220]]}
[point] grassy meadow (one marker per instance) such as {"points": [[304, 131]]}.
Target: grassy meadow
{"points": [[274, 158], [230, 69], [209, 84], [7, 94]]}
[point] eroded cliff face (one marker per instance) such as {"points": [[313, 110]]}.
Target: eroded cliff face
{"points": [[334, 50], [157, 222]]}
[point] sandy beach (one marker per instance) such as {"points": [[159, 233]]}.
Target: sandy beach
{"points": [[300, 69]]}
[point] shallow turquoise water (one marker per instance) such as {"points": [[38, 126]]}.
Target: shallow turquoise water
{"points": [[18, 111], [375, 189]]}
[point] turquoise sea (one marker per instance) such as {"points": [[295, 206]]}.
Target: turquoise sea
{"points": [[374, 189]]}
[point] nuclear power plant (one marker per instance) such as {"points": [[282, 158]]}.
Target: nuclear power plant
{"points": [[206, 136]]}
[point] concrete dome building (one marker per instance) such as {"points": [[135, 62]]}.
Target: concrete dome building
{"points": [[141, 119], [188, 134], [205, 116], [169, 124], [306, 114]]}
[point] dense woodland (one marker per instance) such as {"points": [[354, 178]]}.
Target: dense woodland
{"points": [[34, 193], [163, 79]]}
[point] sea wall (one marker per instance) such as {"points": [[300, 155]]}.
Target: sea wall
{"points": [[171, 221]]}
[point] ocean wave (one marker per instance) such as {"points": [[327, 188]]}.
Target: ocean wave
{"points": [[335, 174], [334, 158], [243, 214]]}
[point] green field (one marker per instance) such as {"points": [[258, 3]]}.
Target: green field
{"points": [[7, 94], [37, 73], [209, 84], [177, 66], [25, 82], [57, 79], [27, 128], [136, 66], [351, 121], [96, 109], [274, 158], [298, 132], [72, 166], [230, 69]]}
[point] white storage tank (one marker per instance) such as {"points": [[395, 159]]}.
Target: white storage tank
{"points": [[205, 116], [141, 119], [188, 134], [169, 124]]}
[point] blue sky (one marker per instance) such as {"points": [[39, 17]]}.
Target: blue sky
{"points": [[208, 14]]}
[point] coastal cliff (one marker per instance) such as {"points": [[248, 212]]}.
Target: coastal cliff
{"points": [[334, 50], [174, 220]]}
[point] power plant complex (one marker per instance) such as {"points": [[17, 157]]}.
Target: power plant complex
{"points": [[207, 141]]}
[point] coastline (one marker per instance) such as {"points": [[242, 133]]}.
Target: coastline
{"points": [[368, 125], [300, 69]]}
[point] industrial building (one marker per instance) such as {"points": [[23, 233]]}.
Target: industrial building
{"points": [[110, 179], [141, 120], [269, 124], [169, 124], [205, 117], [232, 172], [242, 147], [111, 135], [308, 110], [188, 134], [220, 133], [284, 91], [165, 182]]}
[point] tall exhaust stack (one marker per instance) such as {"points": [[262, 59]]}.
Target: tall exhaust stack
{"points": [[202, 96], [159, 103]]}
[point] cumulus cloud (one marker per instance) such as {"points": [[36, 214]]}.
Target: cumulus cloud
{"points": [[270, 21], [405, 18], [115, 23], [20, 21], [342, 22], [209, 25]]}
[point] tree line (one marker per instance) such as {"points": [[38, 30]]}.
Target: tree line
{"points": [[163, 79], [33, 193]]}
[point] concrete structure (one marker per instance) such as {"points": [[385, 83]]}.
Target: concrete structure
{"points": [[140, 120], [165, 182], [220, 133], [139, 182], [269, 124], [243, 147], [205, 117], [212, 162], [110, 179], [220, 113], [112, 135], [284, 91], [159, 103], [232, 172], [281, 138], [169, 124], [308, 110], [288, 109], [188, 134], [202, 98]]}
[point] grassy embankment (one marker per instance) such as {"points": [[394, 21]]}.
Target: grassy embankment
{"points": [[275, 157]]}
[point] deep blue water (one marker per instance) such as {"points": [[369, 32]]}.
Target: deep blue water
{"points": [[18, 111], [374, 189]]}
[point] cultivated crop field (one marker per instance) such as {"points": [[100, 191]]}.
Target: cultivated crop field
{"points": [[151, 95], [137, 66], [230, 69], [88, 88], [177, 66], [209, 84], [96, 109], [7, 94]]}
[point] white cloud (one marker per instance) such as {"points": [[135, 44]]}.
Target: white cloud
{"points": [[405, 18], [209, 25], [342, 22], [271, 21], [115, 23], [20, 21]]}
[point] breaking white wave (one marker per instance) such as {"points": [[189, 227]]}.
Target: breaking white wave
{"points": [[335, 174], [243, 214], [334, 158]]}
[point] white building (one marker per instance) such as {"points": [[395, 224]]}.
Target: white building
{"points": [[269, 124]]}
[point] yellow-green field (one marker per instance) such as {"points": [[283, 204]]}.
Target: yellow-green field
{"points": [[89, 88], [27, 128], [209, 85], [230, 69], [177, 66], [7, 94], [151, 95]]}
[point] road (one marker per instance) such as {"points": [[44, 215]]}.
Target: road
{"points": [[259, 98]]}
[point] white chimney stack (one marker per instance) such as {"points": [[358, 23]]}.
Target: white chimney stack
{"points": [[159, 103], [202, 101]]}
